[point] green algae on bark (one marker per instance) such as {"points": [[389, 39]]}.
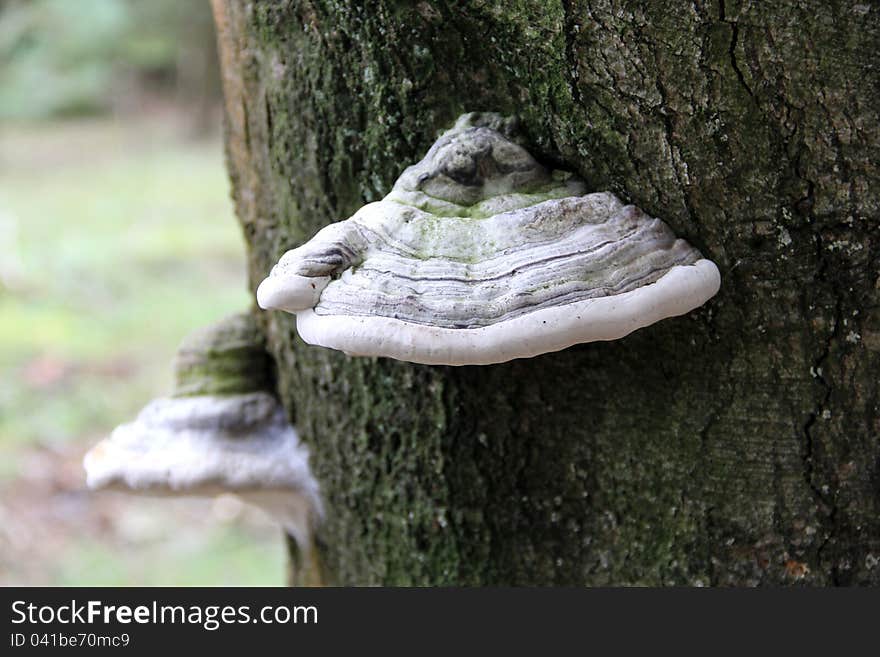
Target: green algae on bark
{"points": [[226, 358]]}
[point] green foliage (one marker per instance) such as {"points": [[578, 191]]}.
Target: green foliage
{"points": [[116, 240], [59, 57], [107, 267]]}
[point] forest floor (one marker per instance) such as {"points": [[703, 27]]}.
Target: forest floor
{"points": [[117, 238]]}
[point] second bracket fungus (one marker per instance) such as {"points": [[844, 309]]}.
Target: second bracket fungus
{"points": [[479, 255], [221, 432]]}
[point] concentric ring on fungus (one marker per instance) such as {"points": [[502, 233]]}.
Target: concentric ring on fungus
{"points": [[481, 255]]}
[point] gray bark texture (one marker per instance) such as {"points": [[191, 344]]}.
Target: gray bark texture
{"points": [[737, 445]]}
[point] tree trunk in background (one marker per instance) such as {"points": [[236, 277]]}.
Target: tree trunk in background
{"points": [[736, 445]]}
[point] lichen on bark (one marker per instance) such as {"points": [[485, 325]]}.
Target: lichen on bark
{"points": [[736, 445]]}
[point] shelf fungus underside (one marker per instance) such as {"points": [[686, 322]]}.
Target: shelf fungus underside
{"points": [[481, 255], [207, 445], [221, 431]]}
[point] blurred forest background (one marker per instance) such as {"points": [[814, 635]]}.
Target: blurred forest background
{"points": [[117, 238]]}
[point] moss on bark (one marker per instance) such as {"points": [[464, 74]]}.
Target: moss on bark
{"points": [[226, 358], [736, 445]]}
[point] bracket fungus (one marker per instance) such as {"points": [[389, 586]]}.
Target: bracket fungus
{"points": [[480, 255], [220, 432]]}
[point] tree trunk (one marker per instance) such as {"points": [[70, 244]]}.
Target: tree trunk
{"points": [[735, 445]]}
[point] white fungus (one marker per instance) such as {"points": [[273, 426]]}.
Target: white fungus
{"points": [[221, 432], [481, 255]]}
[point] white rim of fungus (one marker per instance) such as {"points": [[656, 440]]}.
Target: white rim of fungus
{"points": [[680, 290]]}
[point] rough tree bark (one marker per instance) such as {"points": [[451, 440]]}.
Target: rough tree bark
{"points": [[736, 445]]}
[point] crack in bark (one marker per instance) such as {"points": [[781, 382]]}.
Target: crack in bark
{"points": [[805, 203], [824, 501], [270, 132], [569, 28], [825, 504], [731, 50], [669, 137]]}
